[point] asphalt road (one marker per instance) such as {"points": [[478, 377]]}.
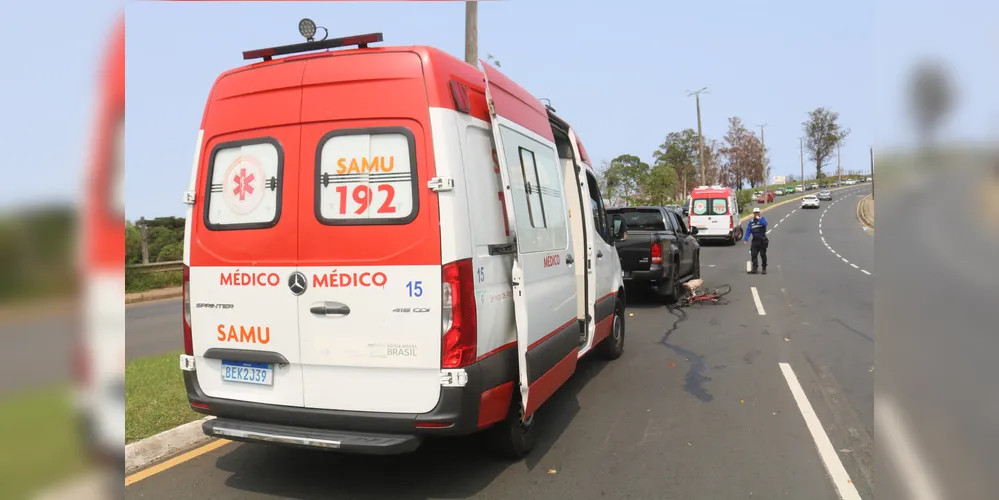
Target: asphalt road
{"points": [[698, 407], [153, 328]]}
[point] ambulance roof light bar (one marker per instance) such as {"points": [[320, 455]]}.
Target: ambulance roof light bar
{"points": [[308, 29]]}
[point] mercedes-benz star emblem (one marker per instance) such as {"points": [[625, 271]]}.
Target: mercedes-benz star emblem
{"points": [[297, 283]]}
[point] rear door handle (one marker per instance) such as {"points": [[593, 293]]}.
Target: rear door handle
{"points": [[329, 309], [569, 260], [600, 254]]}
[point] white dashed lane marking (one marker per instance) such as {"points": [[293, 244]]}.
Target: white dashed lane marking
{"points": [[759, 304], [826, 243]]}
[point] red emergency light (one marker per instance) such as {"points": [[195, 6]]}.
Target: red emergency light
{"points": [[360, 41]]}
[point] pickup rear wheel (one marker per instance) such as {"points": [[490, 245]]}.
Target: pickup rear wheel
{"points": [[695, 273], [669, 290]]}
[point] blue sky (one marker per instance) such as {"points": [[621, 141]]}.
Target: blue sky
{"points": [[47, 87], [618, 71]]}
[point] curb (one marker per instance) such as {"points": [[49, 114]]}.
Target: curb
{"points": [[861, 216], [145, 452], [164, 293]]}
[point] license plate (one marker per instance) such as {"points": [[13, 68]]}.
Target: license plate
{"points": [[247, 373]]}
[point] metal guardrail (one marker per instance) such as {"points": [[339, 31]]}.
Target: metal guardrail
{"points": [[157, 267]]}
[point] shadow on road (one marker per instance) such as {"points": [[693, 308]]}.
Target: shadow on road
{"points": [[444, 468]]}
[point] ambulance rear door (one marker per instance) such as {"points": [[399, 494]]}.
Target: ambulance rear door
{"points": [[543, 275], [369, 237]]}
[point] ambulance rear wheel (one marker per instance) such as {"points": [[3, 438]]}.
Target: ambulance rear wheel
{"points": [[514, 438], [612, 347]]}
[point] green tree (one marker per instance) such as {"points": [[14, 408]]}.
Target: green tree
{"points": [[679, 153], [822, 134], [133, 244], [658, 186], [624, 178], [171, 252]]}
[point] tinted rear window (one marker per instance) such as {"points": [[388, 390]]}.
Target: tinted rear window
{"points": [[710, 206], [367, 176], [643, 220], [244, 179]]}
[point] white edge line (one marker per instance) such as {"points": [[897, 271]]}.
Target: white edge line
{"points": [[834, 466], [865, 271], [840, 256], [844, 260], [756, 299], [855, 266], [820, 230]]}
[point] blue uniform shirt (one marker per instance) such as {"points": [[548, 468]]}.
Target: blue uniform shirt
{"points": [[757, 228]]}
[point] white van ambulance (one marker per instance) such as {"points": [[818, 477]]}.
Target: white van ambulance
{"points": [[714, 211], [386, 244]]}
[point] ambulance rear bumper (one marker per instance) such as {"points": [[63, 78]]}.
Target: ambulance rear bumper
{"points": [[357, 442], [456, 414]]}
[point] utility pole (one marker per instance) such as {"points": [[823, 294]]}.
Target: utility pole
{"points": [[763, 159], [472, 32], [700, 136], [872, 173], [839, 167], [143, 241], [801, 146]]}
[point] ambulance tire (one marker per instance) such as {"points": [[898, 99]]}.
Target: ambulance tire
{"points": [[612, 347], [511, 438]]}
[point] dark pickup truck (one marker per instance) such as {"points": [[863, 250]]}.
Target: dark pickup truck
{"points": [[659, 250]]}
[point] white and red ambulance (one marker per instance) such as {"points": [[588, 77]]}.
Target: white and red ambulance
{"points": [[714, 211], [386, 244]]}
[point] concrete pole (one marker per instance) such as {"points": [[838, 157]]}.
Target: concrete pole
{"points": [[472, 33]]}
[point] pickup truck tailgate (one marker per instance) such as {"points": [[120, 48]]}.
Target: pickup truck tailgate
{"points": [[636, 251], [644, 226]]}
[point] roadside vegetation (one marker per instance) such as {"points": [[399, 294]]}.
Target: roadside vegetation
{"points": [[156, 240], [155, 397], [739, 160]]}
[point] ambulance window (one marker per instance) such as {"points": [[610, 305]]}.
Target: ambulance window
{"points": [[599, 213], [700, 206], [719, 206], [532, 187], [366, 176], [536, 192], [244, 181]]}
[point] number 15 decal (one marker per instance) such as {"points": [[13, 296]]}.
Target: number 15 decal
{"points": [[415, 288]]}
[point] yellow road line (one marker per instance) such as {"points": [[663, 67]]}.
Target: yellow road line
{"points": [[173, 462]]}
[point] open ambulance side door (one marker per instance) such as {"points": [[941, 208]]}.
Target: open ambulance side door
{"points": [[543, 275]]}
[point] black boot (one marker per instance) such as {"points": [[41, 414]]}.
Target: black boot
{"points": [[753, 271], [764, 270]]}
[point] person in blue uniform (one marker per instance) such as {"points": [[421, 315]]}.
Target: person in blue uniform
{"points": [[758, 230]]}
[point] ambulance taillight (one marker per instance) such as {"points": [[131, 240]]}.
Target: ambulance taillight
{"points": [[458, 315], [188, 339]]}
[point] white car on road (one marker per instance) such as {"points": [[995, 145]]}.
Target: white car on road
{"points": [[810, 201]]}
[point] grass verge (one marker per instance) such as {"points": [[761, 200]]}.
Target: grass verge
{"points": [[155, 398], [39, 442], [138, 281]]}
